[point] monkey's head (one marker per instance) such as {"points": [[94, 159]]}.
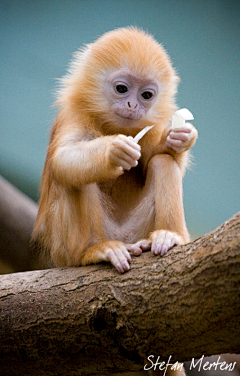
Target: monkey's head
{"points": [[125, 80]]}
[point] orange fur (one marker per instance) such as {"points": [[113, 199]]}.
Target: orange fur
{"points": [[91, 210]]}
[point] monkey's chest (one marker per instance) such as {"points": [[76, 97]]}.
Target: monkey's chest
{"points": [[122, 194]]}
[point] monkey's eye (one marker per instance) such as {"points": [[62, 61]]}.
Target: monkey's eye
{"points": [[147, 95], [121, 89]]}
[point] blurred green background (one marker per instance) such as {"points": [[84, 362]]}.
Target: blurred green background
{"points": [[37, 39]]}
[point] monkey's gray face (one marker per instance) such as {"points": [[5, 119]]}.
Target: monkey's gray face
{"points": [[130, 97]]}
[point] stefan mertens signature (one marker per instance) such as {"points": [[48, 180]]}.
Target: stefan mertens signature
{"points": [[199, 364]]}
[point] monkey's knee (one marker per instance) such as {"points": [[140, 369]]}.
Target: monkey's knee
{"points": [[163, 164]]}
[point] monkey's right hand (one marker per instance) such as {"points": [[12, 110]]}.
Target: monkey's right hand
{"points": [[123, 152]]}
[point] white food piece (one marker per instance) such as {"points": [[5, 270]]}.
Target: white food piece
{"points": [[142, 133], [179, 117]]}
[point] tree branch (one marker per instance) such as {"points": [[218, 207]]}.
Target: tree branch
{"points": [[92, 320], [17, 216]]}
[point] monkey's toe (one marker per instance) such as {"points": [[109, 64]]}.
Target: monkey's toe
{"points": [[163, 240]]}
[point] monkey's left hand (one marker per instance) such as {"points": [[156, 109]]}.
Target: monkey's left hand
{"points": [[181, 139]]}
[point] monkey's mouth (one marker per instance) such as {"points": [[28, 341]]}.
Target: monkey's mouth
{"points": [[129, 115], [126, 121]]}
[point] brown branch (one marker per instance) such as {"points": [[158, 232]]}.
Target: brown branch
{"points": [[17, 216], [94, 321]]}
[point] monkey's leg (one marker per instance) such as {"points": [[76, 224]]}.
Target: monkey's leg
{"points": [[163, 190], [165, 178], [99, 248]]}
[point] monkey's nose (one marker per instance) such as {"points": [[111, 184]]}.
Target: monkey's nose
{"points": [[132, 105]]}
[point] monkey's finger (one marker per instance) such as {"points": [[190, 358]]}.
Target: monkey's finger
{"points": [[145, 244], [186, 129], [124, 160], [119, 144], [130, 141], [170, 241], [131, 152], [159, 249], [127, 254], [128, 146], [164, 240], [118, 259], [142, 245], [177, 145], [115, 262], [123, 257], [173, 239], [127, 166], [159, 245], [183, 136], [135, 250], [119, 158]]}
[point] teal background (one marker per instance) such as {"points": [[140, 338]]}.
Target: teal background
{"points": [[37, 39]]}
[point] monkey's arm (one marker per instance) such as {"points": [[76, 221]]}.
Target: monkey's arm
{"points": [[177, 142], [77, 160]]}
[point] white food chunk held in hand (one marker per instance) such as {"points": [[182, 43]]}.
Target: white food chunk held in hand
{"points": [[179, 117]]}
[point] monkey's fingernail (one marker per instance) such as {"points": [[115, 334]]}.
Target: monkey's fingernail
{"points": [[119, 268], [164, 249], [125, 265], [129, 259], [155, 250]]}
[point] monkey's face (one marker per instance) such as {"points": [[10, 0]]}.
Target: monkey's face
{"points": [[130, 97]]}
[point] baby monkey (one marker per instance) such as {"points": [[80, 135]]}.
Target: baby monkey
{"points": [[105, 197]]}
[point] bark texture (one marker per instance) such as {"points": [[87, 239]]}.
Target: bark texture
{"points": [[17, 216], [93, 321]]}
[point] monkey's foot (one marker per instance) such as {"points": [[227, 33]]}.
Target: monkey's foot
{"points": [[113, 251], [163, 240], [137, 248]]}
